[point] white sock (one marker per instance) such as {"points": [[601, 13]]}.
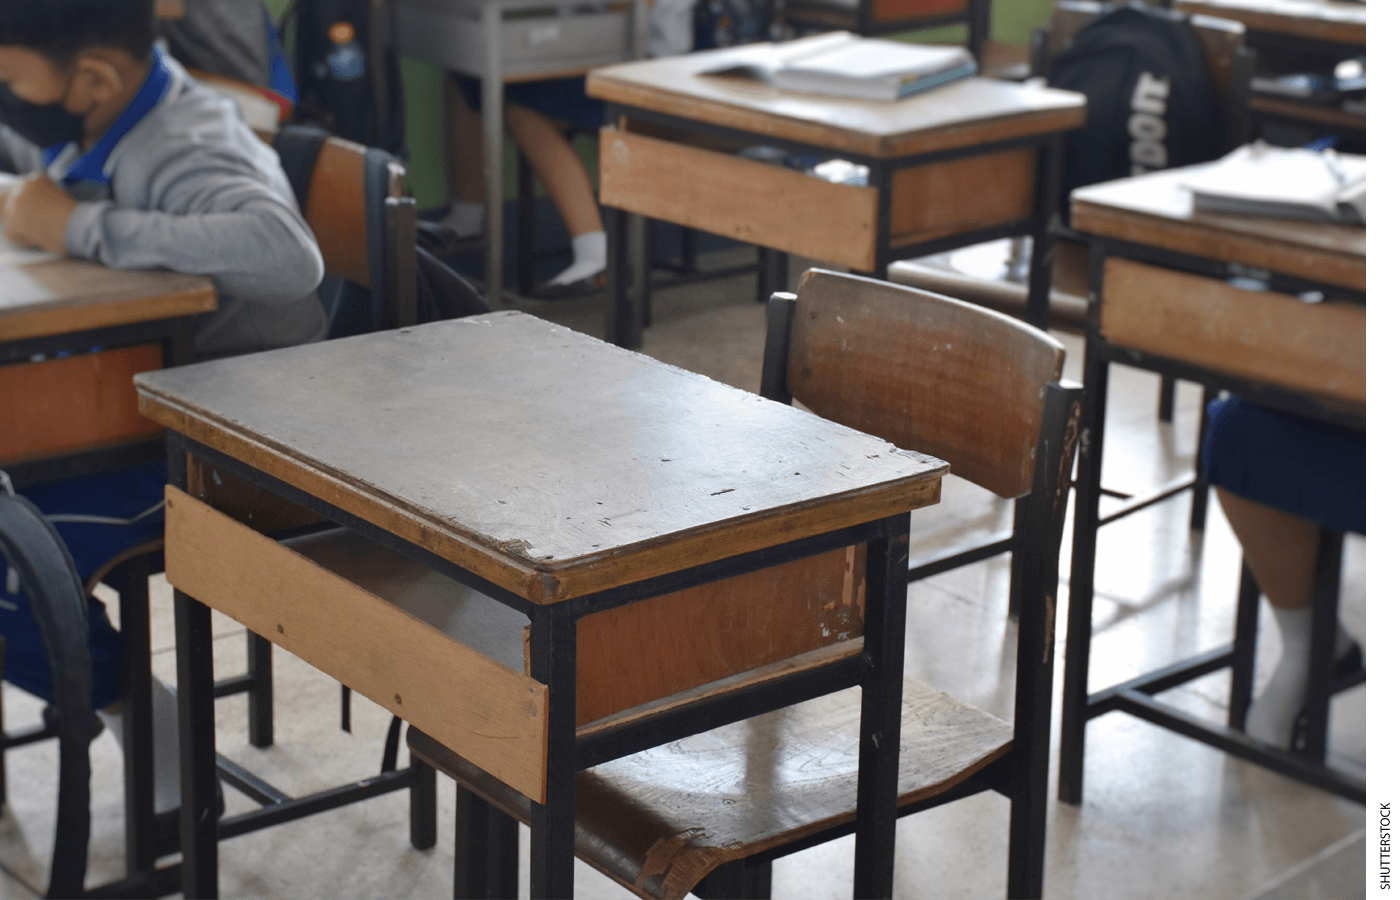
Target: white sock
{"points": [[165, 719], [590, 258], [464, 219], [1273, 711]]}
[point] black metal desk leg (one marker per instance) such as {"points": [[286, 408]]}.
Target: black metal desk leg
{"points": [[622, 316], [1041, 274], [260, 693], [553, 661], [887, 568], [199, 827], [525, 225], [138, 751], [1080, 614], [1200, 493], [1246, 642], [422, 805], [1312, 742]]}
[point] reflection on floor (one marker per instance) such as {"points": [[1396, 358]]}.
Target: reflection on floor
{"points": [[1162, 816]]}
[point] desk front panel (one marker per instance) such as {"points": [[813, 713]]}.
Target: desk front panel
{"points": [[1316, 348], [787, 210], [73, 404]]}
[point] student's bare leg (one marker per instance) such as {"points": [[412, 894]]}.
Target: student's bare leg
{"points": [[1281, 551], [565, 179]]}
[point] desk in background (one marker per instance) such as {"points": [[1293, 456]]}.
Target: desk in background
{"points": [[1332, 29], [505, 41], [536, 532], [961, 164], [1159, 300], [72, 335]]}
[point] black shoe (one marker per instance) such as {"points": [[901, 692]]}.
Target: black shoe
{"points": [[168, 825], [584, 286]]}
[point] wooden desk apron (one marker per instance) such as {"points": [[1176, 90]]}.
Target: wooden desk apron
{"points": [[982, 186], [1334, 21], [82, 399], [1268, 336], [554, 466]]}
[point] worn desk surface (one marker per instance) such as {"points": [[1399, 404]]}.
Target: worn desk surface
{"points": [[65, 296], [1339, 21], [1155, 210], [551, 463], [967, 113]]}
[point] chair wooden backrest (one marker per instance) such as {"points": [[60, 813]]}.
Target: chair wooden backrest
{"points": [[367, 240], [885, 359]]}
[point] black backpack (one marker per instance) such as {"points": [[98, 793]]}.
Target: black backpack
{"points": [[1151, 101], [346, 64]]}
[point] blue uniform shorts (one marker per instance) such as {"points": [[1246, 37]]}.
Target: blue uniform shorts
{"points": [[121, 494], [1311, 469], [562, 98]]}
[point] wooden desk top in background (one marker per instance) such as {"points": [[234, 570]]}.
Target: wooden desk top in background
{"points": [[966, 113], [1155, 210], [65, 296], [549, 462], [1340, 21]]}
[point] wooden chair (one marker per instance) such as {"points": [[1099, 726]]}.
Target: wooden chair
{"points": [[353, 198], [709, 813]]}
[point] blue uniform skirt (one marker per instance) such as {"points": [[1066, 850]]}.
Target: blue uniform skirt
{"points": [[1311, 469]]}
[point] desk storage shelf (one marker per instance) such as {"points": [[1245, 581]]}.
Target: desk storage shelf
{"points": [[536, 41]]}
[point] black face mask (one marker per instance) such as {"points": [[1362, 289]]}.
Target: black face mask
{"points": [[41, 125]]}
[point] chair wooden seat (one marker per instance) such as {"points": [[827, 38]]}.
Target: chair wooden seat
{"points": [[659, 821]]}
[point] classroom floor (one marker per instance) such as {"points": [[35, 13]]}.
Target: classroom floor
{"points": [[1162, 816]]}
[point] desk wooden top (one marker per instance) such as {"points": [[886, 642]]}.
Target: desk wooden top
{"points": [[1155, 210], [551, 463], [966, 113], [1340, 21], [64, 296]]}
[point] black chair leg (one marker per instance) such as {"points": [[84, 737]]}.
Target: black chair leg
{"points": [[525, 225], [260, 693], [1311, 736], [422, 805], [1166, 399], [1246, 641], [1200, 494]]}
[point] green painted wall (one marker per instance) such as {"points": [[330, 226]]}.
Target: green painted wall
{"points": [[1012, 22]]}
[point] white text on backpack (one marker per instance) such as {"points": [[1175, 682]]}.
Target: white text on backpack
{"points": [[1147, 126]]}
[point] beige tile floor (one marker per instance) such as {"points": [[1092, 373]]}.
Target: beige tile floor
{"points": [[1162, 816]]}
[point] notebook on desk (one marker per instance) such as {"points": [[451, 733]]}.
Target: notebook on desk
{"points": [[842, 64], [1285, 183]]}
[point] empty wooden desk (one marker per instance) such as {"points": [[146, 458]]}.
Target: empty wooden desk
{"points": [[963, 163], [602, 500], [1160, 299]]}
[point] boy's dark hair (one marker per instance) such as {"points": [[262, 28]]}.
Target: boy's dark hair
{"points": [[60, 29]]}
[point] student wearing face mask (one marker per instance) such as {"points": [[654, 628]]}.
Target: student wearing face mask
{"points": [[126, 162]]}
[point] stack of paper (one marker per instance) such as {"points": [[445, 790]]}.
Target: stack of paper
{"points": [[1286, 183], [842, 64]]}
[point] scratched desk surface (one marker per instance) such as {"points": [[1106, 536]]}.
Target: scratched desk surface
{"points": [[548, 461]]}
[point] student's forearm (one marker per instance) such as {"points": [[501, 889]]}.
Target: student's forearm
{"points": [[258, 251]]}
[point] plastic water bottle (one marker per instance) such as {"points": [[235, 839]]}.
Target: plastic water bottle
{"points": [[347, 58]]}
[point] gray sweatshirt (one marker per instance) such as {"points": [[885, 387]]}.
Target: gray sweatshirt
{"points": [[193, 190]]}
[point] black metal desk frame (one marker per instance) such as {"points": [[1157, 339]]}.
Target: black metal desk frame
{"points": [[630, 278], [878, 670], [1136, 695]]}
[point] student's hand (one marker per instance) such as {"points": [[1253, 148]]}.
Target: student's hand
{"points": [[35, 213]]}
